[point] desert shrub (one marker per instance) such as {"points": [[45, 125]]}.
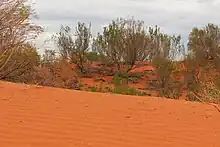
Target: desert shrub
{"points": [[121, 85], [204, 70], [20, 66], [74, 49], [81, 86], [126, 90], [93, 56], [202, 83], [134, 77], [125, 42], [95, 89], [120, 79], [191, 75], [209, 92], [204, 44], [59, 74], [100, 89], [17, 57], [166, 84], [49, 57]]}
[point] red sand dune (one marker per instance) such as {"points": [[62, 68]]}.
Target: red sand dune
{"points": [[34, 116]]}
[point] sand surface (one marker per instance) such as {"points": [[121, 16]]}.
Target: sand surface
{"points": [[32, 116]]}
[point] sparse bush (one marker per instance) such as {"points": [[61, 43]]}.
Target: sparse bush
{"points": [[17, 57], [59, 74], [124, 42], [209, 92], [95, 89], [204, 44], [166, 84], [204, 50], [20, 66], [74, 50], [129, 91], [121, 85], [120, 79], [49, 57], [94, 56], [134, 77], [191, 76]]}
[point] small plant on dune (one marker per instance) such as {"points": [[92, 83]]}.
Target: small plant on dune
{"points": [[204, 87], [57, 74], [134, 77], [129, 91], [120, 82], [94, 89], [81, 85], [121, 85], [209, 92], [167, 86]]}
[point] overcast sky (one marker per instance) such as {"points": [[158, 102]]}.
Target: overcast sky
{"points": [[173, 16]]}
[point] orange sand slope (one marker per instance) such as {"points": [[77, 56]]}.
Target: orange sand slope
{"points": [[49, 117]]}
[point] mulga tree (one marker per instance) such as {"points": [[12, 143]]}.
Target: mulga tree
{"points": [[167, 50], [124, 42], [203, 60], [16, 55], [74, 46], [48, 58], [204, 48], [204, 44]]}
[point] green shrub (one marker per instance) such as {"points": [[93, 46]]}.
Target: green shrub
{"points": [[93, 56], [94, 89], [166, 84]]}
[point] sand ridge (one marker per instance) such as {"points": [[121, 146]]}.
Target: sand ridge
{"points": [[34, 116]]}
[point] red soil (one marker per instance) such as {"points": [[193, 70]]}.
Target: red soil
{"points": [[49, 117], [143, 68]]}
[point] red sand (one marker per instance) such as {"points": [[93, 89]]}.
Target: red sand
{"points": [[34, 116]]}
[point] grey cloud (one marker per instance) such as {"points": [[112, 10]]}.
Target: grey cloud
{"points": [[70, 16], [173, 16]]}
